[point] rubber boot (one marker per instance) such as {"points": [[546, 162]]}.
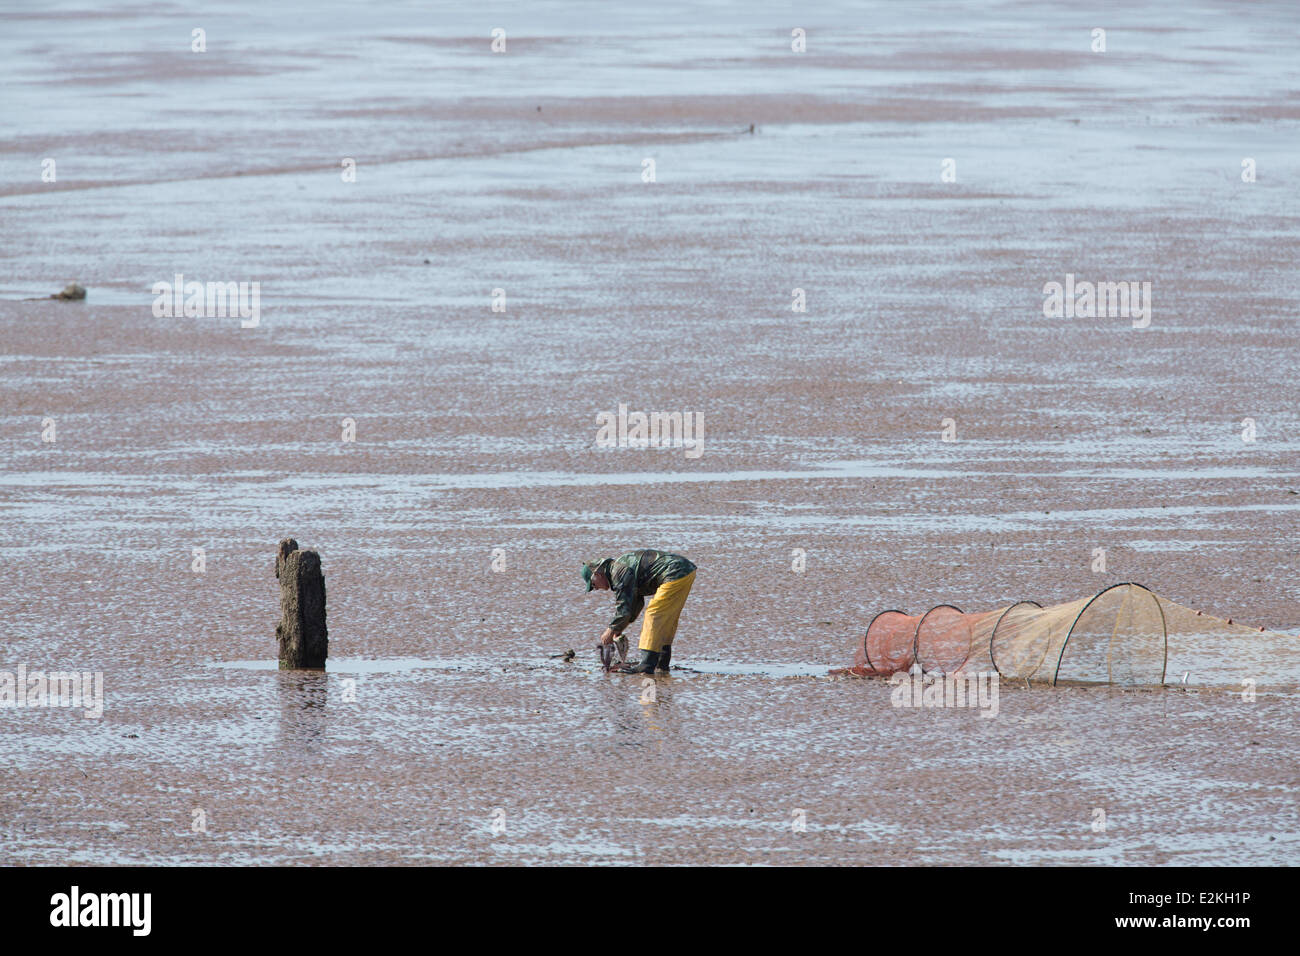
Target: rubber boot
{"points": [[646, 665], [665, 658]]}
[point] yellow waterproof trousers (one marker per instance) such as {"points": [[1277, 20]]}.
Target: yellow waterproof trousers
{"points": [[661, 614]]}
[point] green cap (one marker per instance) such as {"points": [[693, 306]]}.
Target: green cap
{"points": [[591, 567]]}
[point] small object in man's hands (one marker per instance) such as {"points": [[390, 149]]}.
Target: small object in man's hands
{"points": [[607, 651]]}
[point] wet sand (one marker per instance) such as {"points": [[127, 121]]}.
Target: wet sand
{"points": [[475, 430]]}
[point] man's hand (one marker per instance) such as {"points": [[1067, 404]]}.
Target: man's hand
{"points": [[609, 637]]}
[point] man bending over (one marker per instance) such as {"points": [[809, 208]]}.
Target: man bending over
{"points": [[664, 578]]}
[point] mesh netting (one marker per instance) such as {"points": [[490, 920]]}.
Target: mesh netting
{"points": [[1124, 634]]}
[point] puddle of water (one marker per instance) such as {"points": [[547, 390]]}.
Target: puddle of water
{"points": [[754, 670], [394, 665], [400, 665]]}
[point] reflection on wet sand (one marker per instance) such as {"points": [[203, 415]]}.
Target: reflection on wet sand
{"points": [[304, 720]]}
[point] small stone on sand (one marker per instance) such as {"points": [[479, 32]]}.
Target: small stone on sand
{"points": [[73, 290]]}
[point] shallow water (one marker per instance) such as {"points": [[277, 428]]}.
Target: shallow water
{"points": [[476, 430]]}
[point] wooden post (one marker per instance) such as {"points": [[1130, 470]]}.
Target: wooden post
{"points": [[301, 632]]}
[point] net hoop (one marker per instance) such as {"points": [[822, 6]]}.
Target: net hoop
{"points": [[1164, 626], [866, 653], [916, 637], [993, 638]]}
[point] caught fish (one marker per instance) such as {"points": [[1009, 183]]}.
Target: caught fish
{"points": [[607, 652]]}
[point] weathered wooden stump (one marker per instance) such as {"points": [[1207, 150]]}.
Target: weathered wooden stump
{"points": [[301, 632]]}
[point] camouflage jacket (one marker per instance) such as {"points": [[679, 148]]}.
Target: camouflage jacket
{"points": [[637, 575]]}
